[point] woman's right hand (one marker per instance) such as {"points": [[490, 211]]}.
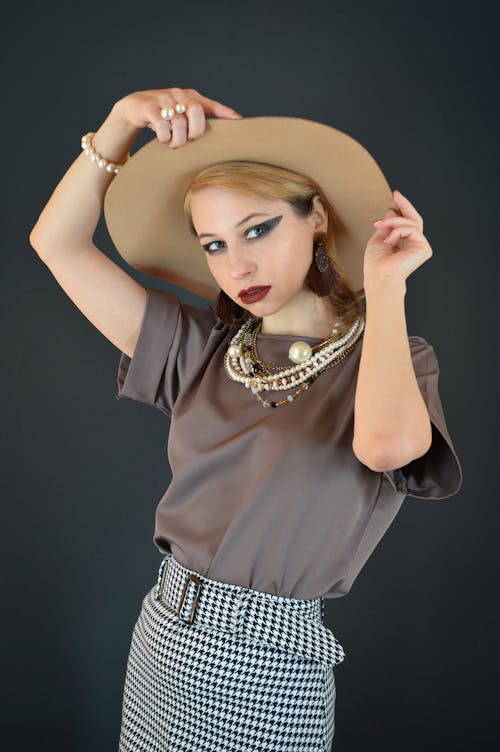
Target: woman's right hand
{"points": [[142, 109]]}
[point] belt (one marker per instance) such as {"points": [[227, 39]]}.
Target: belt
{"points": [[290, 624]]}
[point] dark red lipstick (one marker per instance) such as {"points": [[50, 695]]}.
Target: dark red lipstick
{"points": [[253, 294]]}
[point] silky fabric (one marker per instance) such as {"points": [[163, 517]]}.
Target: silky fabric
{"points": [[270, 499]]}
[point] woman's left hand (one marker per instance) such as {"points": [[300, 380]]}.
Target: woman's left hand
{"points": [[398, 245]]}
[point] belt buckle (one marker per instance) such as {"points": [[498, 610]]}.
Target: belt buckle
{"points": [[162, 572], [198, 582]]}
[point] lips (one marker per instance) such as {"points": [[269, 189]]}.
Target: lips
{"points": [[254, 293], [253, 289]]}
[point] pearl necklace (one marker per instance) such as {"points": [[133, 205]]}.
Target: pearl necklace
{"points": [[242, 363]]}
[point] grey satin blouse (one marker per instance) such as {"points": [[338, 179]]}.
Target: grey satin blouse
{"points": [[271, 499]]}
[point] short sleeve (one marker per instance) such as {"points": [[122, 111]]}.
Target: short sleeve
{"points": [[171, 341], [438, 473]]}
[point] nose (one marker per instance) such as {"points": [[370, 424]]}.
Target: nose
{"points": [[240, 264]]}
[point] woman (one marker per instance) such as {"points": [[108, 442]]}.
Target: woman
{"points": [[302, 414]]}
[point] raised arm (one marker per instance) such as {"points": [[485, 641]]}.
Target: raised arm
{"points": [[63, 234]]}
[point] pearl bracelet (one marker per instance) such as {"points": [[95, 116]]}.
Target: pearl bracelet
{"points": [[96, 157]]}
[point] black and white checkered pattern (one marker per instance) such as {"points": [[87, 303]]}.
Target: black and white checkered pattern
{"points": [[231, 670]]}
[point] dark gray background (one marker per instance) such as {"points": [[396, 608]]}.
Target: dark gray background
{"points": [[82, 472]]}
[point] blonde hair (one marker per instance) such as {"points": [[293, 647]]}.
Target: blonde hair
{"points": [[273, 182]]}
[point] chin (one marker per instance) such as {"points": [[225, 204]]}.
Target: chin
{"points": [[257, 306]]}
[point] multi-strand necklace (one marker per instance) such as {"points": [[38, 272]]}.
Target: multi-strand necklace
{"points": [[242, 362]]}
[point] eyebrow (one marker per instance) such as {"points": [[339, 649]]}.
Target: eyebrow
{"points": [[255, 214]]}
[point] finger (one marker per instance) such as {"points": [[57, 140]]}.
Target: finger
{"points": [[183, 125], [195, 119], [190, 124], [159, 124], [214, 108], [179, 126], [391, 221], [406, 207], [407, 231], [175, 130]]}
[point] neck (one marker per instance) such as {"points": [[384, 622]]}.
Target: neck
{"points": [[305, 316]]}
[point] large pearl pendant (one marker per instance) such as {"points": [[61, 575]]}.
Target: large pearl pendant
{"points": [[234, 351], [299, 351]]}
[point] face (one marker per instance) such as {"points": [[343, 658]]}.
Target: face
{"points": [[273, 248]]}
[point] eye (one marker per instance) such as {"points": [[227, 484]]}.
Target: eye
{"points": [[259, 227], [264, 226]]}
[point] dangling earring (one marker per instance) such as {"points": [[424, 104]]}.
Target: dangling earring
{"points": [[321, 276]]}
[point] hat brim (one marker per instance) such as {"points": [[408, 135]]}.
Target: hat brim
{"points": [[143, 206]]}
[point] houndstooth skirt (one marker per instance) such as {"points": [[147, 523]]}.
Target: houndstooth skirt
{"points": [[215, 667]]}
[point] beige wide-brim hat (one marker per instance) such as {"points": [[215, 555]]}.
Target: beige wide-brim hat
{"points": [[143, 205]]}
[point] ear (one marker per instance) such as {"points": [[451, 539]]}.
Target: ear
{"points": [[319, 214]]}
